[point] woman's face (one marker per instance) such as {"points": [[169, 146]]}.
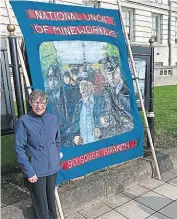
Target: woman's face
{"points": [[38, 105]]}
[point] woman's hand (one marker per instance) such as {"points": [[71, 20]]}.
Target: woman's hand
{"points": [[33, 179]]}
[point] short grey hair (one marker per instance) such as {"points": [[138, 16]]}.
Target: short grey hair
{"points": [[38, 93]]}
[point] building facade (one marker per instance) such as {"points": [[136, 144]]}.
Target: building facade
{"points": [[142, 20]]}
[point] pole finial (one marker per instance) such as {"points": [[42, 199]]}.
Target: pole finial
{"points": [[11, 28], [152, 40]]}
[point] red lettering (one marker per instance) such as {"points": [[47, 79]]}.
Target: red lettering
{"points": [[67, 30], [99, 153], [70, 164], [60, 16], [65, 16], [30, 14], [86, 17], [57, 30], [81, 29], [88, 29], [110, 150], [79, 16], [109, 20], [38, 29], [95, 29], [73, 30], [81, 159]]}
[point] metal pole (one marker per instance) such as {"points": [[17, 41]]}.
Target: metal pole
{"points": [[150, 114], [139, 92], [18, 49], [15, 69]]}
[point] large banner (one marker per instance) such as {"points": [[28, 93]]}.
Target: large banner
{"points": [[78, 56]]}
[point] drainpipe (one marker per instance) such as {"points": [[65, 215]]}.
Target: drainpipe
{"points": [[169, 33]]}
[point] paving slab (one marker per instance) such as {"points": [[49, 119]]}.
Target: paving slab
{"points": [[167, 176], [135, 210], [167, 190], [81, 194], [167, 160], [153, 200], [95, 210], [173, 182], [116, 200], [158, 216], [151, 184], [174, 170], [11, 194], [111, 215], [26, 207], [170, 210], [11, 212], [75, 216], [135, 191]]}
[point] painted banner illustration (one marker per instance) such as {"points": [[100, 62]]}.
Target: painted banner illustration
{"points": [[78, 56]]}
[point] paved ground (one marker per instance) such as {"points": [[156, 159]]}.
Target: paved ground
{"points": [[152, 199]]}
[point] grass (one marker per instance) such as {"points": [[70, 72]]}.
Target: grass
{"points": [[15, 107], [8, 158], [165, 108]]}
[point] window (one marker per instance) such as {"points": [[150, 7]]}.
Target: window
{"points": [[156, 29], [89, 3], [164, 2], [166, 72], [128, 19], [169, 72], [176, 32], [157, 1]]}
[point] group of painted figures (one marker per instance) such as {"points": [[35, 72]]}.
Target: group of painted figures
{"points": [[90, 106]]}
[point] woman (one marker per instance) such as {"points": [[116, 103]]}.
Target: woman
{"points": [[37, 143]]}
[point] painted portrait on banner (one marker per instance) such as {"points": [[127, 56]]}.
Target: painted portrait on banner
{"points": [[86, 90]]}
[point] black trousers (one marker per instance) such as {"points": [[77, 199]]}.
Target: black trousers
{"points": [[43, 197]]}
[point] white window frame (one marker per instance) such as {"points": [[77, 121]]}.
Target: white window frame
{"points": [[130, 22], [157, 27], [166, 72]]}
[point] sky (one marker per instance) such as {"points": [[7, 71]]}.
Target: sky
{"points": [[73, 51]]}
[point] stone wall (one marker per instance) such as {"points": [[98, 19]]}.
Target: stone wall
{"points": [[161, 80]]}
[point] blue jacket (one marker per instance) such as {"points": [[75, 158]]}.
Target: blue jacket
{"points": [[37, 143]]}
